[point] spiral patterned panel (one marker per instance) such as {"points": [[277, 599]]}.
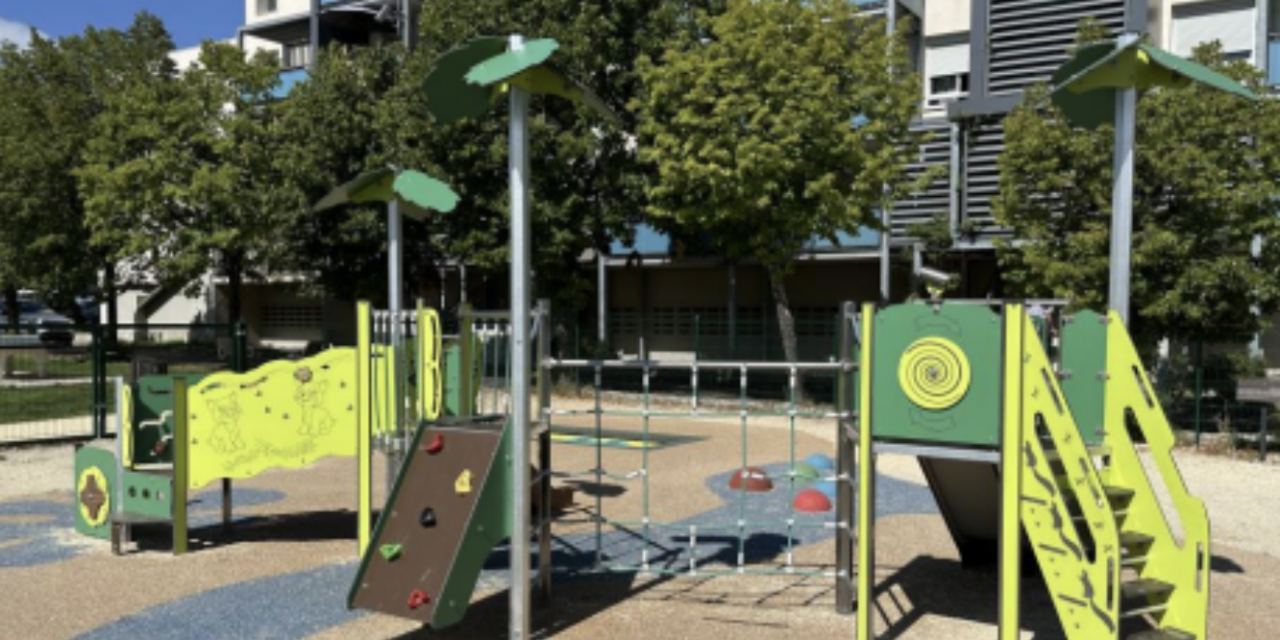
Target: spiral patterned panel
{"points": [[934, 373]]}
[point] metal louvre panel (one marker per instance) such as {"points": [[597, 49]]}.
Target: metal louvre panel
{"points": [[982, 180], [1029, 39], [934, 199]]}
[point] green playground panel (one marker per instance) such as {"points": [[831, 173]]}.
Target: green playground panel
{"points": [[153, 396], [1084, 361], [491, 523], [93, 501], [974, 420], [147, 494]]}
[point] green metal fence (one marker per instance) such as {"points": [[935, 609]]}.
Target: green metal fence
{"points": [[1218, 396], [60, 390]]}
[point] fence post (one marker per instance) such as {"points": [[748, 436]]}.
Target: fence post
{"points": [[1262, 435], [240, 349], [845, 402], [544, 449], [1199, 385], [98, 370], [466, 368]]}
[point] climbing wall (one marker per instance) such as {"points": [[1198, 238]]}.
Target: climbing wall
{"points": [[286, 414], [448, 510]]}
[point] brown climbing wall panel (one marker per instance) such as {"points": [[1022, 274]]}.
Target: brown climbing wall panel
{"points": [[431, 515]]}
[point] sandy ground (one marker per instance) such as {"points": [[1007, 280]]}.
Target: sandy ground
{"points": [[924, 594]]}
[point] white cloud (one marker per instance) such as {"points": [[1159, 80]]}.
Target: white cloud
{"points": [[15, 32]]}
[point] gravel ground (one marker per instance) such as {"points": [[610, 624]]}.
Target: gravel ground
{"points": [[283, 573]]}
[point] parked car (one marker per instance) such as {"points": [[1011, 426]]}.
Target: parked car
{"points": [[52, 328]]}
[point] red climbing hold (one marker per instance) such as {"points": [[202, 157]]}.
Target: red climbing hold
{"points": [[417, 598], [812, 501], [437, 444], [757, 481]]}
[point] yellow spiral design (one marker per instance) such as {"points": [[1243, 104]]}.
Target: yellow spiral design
{"points": [[934, 373]]}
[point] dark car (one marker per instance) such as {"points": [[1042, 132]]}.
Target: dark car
{"points": [[52, 328]]}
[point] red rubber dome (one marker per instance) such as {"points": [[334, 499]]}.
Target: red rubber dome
{"points": [[812, 501], [757, 480]]}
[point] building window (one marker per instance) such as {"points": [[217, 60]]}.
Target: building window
{"points": [[295, 55], [1230, 22], [946, 69], [266, 7], [948, 87]]}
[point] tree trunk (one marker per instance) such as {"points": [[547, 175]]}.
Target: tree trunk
{"points": [[11, 311], [235, 282], [786, 325]]}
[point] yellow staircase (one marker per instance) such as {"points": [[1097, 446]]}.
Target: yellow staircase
{"points": [[1109, 554]]}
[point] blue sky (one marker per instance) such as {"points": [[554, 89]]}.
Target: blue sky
{"points": [[189, 21]]}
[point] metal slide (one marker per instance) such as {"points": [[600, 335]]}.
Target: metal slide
{"points": [[968, 495]]}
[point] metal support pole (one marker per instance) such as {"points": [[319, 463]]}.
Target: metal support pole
{"points": [[544, 450], [395, 304], [518, 167], [1122, 195], [602, 295], [844, 464], [885, 236]]}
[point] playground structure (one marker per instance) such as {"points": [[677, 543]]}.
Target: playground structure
{"points": [[1029, 456], [181, 433]]}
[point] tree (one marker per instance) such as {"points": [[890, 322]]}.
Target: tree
{"points": [[180, 175], [328, 134], [587, 179], [1205, 187], [778, 121], [50, 94]]}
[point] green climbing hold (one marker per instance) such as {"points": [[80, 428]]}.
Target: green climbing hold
{"points": [[805, 473], [390, 552]]}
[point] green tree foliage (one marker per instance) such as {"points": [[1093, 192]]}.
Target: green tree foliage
{"points": [[778, 121], [1205, 187], [328, 134], [50, 94], [180, 175], [587, 180]]}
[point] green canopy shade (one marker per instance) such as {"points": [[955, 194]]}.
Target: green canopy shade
{"points": [[450, 97], [417, 192], [463, 81], [1085, 86]]}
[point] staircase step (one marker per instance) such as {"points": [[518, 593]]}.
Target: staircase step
{"points": [[1135, 597], [1051, 455], [1113, 494], [1162, 634], [1118, 513], [1135, 539], [1145, 587]]}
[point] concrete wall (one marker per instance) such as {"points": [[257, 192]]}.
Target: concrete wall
{"points": [[943, 17]]}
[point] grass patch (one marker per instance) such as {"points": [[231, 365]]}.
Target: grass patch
{"points": [[38, 404]]}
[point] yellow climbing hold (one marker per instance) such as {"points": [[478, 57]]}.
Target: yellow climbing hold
{"points": [[934, 373], [463, 484]]}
